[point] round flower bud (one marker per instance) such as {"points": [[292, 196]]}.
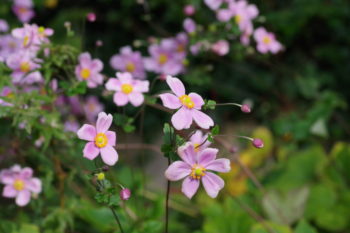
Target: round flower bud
{"points": [[100, 176], [189, 10], [245, 108], [125, 194], [258, 143], [91, 17]]}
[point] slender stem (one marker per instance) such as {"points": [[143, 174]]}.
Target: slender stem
{"points": [[167, 203], [117, 219], [227, 104]]}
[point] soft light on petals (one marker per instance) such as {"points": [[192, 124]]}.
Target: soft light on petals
{"points": [[187, 153], [212, 184], [190, 187], [23, 198], [202, 119], [170, 101], [177, 171], [219, 165], [176, 85], [197, 99], [120, 99], [206, 156], [104, 121], [182, 119], [87, 132], [9, 191], [90, 151], [34, 185], [136, 98], [109, 155], [112, 138], [26, 173], [125, 77]]}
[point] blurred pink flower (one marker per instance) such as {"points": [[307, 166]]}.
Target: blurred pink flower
{"points": [[195, 167], [199, 141], [9, 45], [127, 89], [266, 41], [189, 106], [101, 141], [92, 107], [221, 47], [91, 17], [189, 10], [20, 184], [4, 27], [129, 61], [71, 125], [213, 4], [125, 194], [6, 92], [89, 70], [189, 25]]}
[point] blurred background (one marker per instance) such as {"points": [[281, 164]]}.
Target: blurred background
{"points": [[299, 98]]}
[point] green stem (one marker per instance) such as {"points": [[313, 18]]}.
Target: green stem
{"points": [[167, 203], [117, 219]]}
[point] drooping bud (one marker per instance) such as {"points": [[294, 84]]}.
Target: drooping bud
{"points": [[99, 43], [245, 108], [125, 194], [258, 143]]}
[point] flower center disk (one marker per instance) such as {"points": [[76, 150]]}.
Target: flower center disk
{"points": [[187, 101], [25, 67], [197, 172], [267, 40], [162, 59], [127, 88], [85, 73], [101, 140], [130, 67], [18, 185]]}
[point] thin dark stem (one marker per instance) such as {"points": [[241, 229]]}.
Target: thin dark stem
{"points": [[167, 203], [117, 219]]}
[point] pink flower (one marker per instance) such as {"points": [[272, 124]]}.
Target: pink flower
{"points": [[8, 93], [92, 107], [89, 70], [189, 106], [213, 4], [20, 184], [266, 41], [9, 45], [100, 140], [221, 47], [4, 27], [189, 10], [125, 194], [189, 25], [91, 17], [127, 89], [196, 167], [24, 12], [71, 125], [129, 61], [199, 141]]}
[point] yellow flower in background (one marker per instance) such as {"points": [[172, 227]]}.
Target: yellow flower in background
{"points": [[51, 3]]}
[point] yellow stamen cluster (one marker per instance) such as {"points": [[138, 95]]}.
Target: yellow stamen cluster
{"points": [[25, 41], [101, 140], [162, 59], [127, 88], [24, 67], [187, 101], [197, 172], [18, 185], [238, 19], [100, 176], [85, 73], [266, 40], [130, 67]]}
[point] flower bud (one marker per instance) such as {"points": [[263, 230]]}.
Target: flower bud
{"points": [[189, 10], [125, 194], [100, 176], [91, 17], [99, 43], [245, 108], [258, 143], [105, 168]]}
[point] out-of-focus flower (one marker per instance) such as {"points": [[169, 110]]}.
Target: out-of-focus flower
{"points": [[199, 141], [9, 45], [23, 9], [266, 41], [89, 70], [196, 167], [129, 61], [213, 4], [101, 141], [189, 106], [4, 27], [99, 43], [91, 17], [127, 89], [20, 184], [189, 25], [71, 125], [189, 10], [221, 47], [92, 108], [125, 194], [245, 108], [8, 93]]}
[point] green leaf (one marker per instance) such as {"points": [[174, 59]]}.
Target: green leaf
{"points": [[304, 227], [215, 130]]}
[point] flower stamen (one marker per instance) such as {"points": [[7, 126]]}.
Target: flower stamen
{"points": [[186, 101], [85, 73], [101, 140], [127, 88], [18, 185], [197, 172]]}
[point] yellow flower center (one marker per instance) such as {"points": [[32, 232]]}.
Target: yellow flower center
{"points": [[196, 147], [197, 172], [91, 107], [85, 73], [187, 101], [10, 95], [24, 67], [101, 140], [162, 59], [25, 40], [130, 67], [41, 31], [267, 40], [127, 88], [22, 10], [100, 176], [18, 185], [238, 18]]}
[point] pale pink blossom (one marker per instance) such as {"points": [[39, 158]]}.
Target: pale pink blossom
{"points": [[189, 10], [196, 167], [199, 141], [127, 89], [92, 107], [91, 17], [4, 27], [266, 41], [89, 70], [221, 47], [100, 140], [189, 106], [189, 25]]}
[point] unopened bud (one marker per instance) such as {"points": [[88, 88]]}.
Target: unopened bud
{"points": [[258, 143], [125, 194], [105, 168], [245, 108], [91, 17], [100, 176], [99, 43], [189, 10]]}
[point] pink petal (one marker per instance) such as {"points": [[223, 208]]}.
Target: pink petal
{"points": [[141, 86], [212, 184], [187, 153], [120, 99], [113, 84], [7, 178], [190, 187], [177, 170], [104, 121], [219, 165], [87, 132], [196, 138], [136, 98], [182, 119], [206, 156], [23, 198], [111, 138], [91, 151], [262, 48], [34, 185], [170, 101], [109, 155], [197, 99], [9, 191], [125, 77], [96, 65], [176, 85], [26, 173], [202, 119]]}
